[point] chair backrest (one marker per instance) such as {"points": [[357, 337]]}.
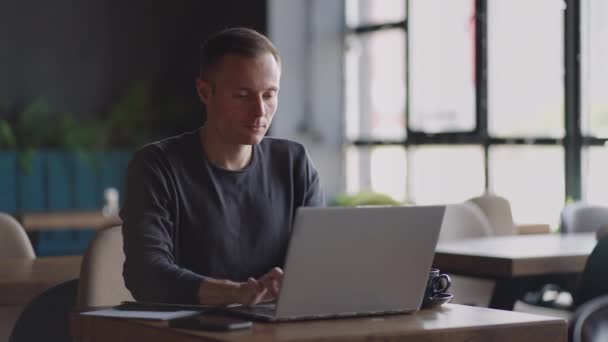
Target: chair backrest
{"points": [[603, 231], [464, 220], [581, 217], [589, 323], [14, 242], [46, 317], [593, 282], [498, 211], [101, 281]]}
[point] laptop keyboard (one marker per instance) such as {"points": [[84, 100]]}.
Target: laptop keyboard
{"points": [[262, 309], [266, 310]]}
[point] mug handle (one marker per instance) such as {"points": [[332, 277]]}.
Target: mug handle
{"points": [[442, 283]]}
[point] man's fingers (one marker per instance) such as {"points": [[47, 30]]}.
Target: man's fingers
{"points": [[276, 287], [260, 295], [264, 288], [272, 281], [250, 291], [272, 285], [255, 284], [256, 296], [276, 272], [273, 276], [277, 275]]}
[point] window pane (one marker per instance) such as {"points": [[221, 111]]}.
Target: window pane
{"points": [[442, 65], [595, 169], [532, 179], [594, 81], [354, 169], [379, 169], [525, 70], [446, 174], [365, 12], [375, 85]]}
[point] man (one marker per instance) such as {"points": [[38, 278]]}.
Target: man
{"points": [[207, 214]]}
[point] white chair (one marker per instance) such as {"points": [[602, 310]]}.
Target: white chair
{"points": [[581, 217], [498, 211], [101, 282], [14, 242], [603, 231], [462, 221]]}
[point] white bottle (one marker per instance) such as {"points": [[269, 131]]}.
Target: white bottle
{"points": [[110, 199]]}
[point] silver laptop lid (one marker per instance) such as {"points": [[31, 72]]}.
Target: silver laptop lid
{"points": [[344, 261]]}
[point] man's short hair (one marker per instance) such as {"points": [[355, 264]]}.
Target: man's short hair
{"points": [[238, 41]]}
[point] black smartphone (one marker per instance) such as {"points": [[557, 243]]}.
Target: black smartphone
{"points": [[210, 322]]}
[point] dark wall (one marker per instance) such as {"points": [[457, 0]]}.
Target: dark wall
{"points": [[84, 55]]}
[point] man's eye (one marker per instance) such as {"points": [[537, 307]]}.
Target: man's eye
{"points": [[269, 95]]}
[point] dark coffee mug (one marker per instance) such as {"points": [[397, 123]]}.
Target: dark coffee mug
{"points": [[437, 283]]}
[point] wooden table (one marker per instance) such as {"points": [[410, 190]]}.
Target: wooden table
{"points": [[516, 262], [23, 279], [69, 219], [448, 323]]}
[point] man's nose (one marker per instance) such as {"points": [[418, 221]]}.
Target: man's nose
{"points": [[259, 109]]}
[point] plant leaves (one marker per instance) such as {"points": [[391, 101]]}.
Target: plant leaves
{"points": [[7, 137]]}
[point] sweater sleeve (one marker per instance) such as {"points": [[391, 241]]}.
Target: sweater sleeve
{"points": [[313, 196], [149, 233]]}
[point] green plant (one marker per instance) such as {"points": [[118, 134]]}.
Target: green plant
{"points": [[7, 138], [37, 125], [130, 120], [137, 117], [364, 198]]}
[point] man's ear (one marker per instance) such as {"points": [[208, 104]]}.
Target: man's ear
{"points": [[204, 89]]}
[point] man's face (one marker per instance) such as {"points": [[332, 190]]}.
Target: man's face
{"points": [[241, 98]]}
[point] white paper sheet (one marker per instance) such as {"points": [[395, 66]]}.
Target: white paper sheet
{"points": [[157, 315]]}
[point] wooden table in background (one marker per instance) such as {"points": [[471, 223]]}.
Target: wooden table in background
{"points": [[72, 220], [23, 279], [449, 323], [515, 262]]}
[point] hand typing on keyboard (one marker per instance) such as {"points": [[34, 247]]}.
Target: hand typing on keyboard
{"points": [[253, 291], [265, 288]]}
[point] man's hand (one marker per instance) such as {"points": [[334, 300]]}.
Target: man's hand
{"points": [[265, 288], [251, 292]]}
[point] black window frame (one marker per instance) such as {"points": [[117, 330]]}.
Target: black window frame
{"points": [[573, 141]]}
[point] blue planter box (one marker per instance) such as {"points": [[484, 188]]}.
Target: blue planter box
{"points": [[58, 180]]}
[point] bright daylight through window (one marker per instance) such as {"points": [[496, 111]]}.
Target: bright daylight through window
{"points": [[445, 99]]}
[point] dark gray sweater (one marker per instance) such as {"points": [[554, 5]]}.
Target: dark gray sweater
{"points": [[185, 218]]}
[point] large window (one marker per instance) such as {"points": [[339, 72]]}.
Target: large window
{"points": [[594, 100], [595, 169], [448, 99], [375, 84], [525, 68], [442, 65], [384, 169], [532, 178], [595, 68], [443, 173]]}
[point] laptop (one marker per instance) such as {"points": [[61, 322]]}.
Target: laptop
{"points": [[344, 262]]}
